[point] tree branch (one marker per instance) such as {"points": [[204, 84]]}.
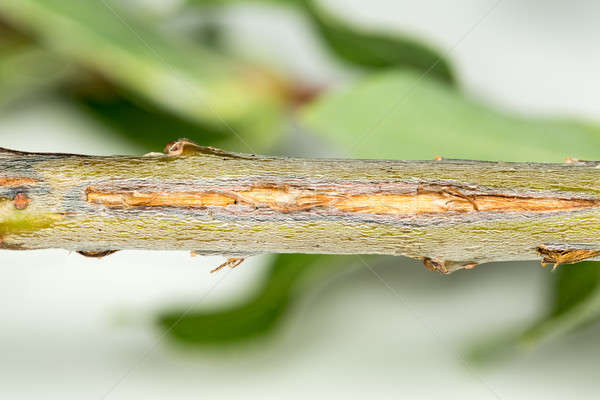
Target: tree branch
{"points": [[451, 213]]}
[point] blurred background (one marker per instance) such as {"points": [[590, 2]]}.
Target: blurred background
{"points": [[493, 80]]}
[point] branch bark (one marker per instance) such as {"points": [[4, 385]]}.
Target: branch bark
{"points": [[451, 213]]}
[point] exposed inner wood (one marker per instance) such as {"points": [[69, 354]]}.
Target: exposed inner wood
{"points": [[287, 199], [12, 182]]}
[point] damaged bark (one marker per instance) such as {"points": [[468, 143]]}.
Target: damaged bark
{"points": [[452, 214]]}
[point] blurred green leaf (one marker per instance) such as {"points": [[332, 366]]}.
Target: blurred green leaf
{"points": [[399, 115], [10, 37], [361, 47], [195, 83], [28, 71], [228, 2], [288, 276], [151, 127], [576, 302], [25, 71], [377, 50], [573, 285]]}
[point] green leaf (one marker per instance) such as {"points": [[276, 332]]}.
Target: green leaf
{"points": [[10, 38], [576, 302], [26, 70], [573, 285], [400, 115], [151, 127], [375, 50], [357, 46], [145, 125], [213, 3], [289, 275], [187, 80]]}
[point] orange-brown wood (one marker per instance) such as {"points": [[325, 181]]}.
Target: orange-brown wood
{"points": [[19, 181], [286, 199]]}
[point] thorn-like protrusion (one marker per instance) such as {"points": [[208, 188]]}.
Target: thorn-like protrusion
{"points": [[231, 262], [96, 254], [433, 264], [447, 267], [558, 256], [185, 147], [182, 147], [571, 160], [470, 265]]}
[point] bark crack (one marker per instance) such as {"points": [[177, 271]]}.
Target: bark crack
{"points": [[287, 199]]}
